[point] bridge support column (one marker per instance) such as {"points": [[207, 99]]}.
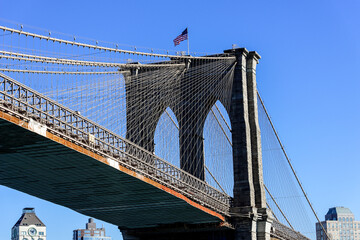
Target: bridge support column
{"points": [[264, 215], [244, 221], [264, 224], [251, 218], [255, 136]]}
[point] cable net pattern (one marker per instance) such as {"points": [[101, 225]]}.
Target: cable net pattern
{"points": [[173, 106], [284, 196], [161, 102]]}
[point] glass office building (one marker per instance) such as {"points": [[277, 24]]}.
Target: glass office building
{"points": [[340, 224]]}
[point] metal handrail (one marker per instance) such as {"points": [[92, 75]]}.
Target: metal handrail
{"points": [[29, 104]]}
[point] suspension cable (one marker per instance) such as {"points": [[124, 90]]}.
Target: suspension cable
{"points": [[59, 72], [291, 166], [214, 178], [48, 38], [217, 182], [222, 129], [264, 184], [282, 213], [43, 59], [268, 206], [172, 120], [222, 116]]}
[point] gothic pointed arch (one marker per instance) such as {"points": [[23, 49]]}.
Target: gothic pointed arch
{"points": [[166, 137], [218, 149]]}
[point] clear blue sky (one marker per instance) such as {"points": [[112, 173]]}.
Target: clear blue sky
{"points": [[309, 77]]}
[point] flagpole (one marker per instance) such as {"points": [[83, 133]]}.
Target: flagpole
{"points": [[188, 41]]}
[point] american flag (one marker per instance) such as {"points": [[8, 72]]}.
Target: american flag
{"points": [[183, 36]]}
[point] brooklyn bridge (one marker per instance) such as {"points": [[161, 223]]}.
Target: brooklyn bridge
{"points": [[162, 145]]}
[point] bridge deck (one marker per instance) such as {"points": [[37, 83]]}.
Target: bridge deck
{"points": [[59, 171]]}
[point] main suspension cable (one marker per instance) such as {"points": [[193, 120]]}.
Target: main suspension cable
{"points": [[290, 164], [48, 38]]}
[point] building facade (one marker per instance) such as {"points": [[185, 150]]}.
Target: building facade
{"points": [[340, 224], [28, 227], [90, 233]]}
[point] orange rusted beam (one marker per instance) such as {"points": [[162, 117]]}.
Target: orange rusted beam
{"points": [[123, 169]]}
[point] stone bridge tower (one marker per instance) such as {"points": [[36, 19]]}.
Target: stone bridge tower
{"points": [[249, 192], [250, 217]]}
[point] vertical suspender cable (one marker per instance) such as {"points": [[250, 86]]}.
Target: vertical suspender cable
{"points": [[272, 212]]}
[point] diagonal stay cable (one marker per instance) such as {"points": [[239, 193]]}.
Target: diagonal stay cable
{"points": [[172, 120], [222, 116], [222, 129], [268, 206], [291, 166], [277, 205]]}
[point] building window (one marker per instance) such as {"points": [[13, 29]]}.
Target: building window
{"points": [[23, 232], [41, 233]]}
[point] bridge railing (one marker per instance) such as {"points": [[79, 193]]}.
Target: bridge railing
{"points": [[43, 113], [280, 231]]}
